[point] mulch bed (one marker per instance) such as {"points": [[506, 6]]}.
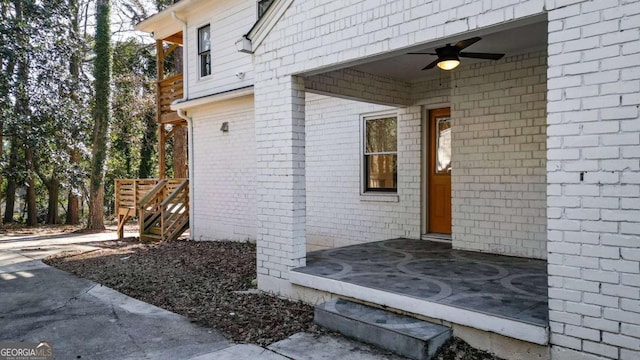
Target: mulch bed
{"points": [[208, 282]]}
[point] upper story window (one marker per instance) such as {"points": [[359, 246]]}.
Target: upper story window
{"points": [[204, 50], [263, 5], [381, 153]]}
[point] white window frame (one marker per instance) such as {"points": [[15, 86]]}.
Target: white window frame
{"points": [[386, 196]]}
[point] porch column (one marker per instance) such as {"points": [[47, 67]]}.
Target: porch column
{"points": [[280, 140], [594, 179]]}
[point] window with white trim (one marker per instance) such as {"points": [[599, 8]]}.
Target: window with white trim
{"points": [[204, 50], [380, 154]]}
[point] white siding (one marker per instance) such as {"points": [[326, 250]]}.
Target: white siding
{"points": [[224, 200], [229, 21]]}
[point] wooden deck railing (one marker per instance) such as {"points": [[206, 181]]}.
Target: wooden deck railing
{"points": [[169, 90], [162, 206]]}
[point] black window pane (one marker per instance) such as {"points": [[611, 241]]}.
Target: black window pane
{"points": [[382, 173], [381, 135], [263, 5], [205, 64], [204, 41]]}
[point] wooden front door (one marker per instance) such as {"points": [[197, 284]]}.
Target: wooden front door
{"points": [[439, 171]]}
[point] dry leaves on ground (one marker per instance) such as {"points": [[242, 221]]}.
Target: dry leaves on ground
{"points": [[208, 282]]}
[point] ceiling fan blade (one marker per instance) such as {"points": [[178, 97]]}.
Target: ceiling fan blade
{"points": [[466, 43], [432, 65], [487, 56], [421, 53]]}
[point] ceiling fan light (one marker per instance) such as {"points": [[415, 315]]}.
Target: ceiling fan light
{"points": [[448, 64]]}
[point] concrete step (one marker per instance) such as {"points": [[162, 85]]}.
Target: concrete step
{"points": [[404, 335]]}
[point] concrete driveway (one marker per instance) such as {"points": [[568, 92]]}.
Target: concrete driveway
{"points": [[84, 320]]}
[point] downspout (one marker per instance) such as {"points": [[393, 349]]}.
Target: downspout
{"points": [[181, 113]]}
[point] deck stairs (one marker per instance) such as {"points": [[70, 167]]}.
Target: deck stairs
{"points": [[160, 205]]}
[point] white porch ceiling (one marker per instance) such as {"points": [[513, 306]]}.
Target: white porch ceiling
{"points": [[511, 42]]}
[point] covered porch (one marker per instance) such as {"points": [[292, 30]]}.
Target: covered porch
{"points": [[502, 294], [327, 229]]}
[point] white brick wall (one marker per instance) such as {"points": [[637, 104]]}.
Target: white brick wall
{"points": [[499, 158], [280, 181], [337, 215], [224, 204], [593, 145], [322, 34], [499, 146], [316, 34], [593, 181], [361, 86]]}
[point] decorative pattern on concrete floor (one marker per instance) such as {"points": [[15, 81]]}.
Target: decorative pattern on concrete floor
{"points": [[505, 286]]}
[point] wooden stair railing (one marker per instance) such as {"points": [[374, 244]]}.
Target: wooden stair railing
{"points": [[162, 207], [149, 210], [174, 219]]}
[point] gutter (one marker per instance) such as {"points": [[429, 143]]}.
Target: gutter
{"points": [[183, 115], [250, 41], [183, 104]]}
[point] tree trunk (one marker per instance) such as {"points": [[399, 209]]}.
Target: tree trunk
{"points": [[12, 183], [73, 198], [178, 60], [180, 156], [53, 188], [96, 208], [23, 113], [101, 116], [32, 211], [73, 209]]}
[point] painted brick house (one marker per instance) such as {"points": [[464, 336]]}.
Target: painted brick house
{"points": [[335, 136]]}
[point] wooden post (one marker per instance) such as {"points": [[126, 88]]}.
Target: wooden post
{"points": [[161, 134], [162, 138]]}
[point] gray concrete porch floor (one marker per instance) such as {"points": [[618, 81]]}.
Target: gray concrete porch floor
{"points": [[503, 286]]}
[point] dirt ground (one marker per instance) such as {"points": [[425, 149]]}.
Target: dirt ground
{"points": [[20, 229], [211, 283], [457, 349]]}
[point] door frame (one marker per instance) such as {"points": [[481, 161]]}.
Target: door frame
{"points": [[424, 162]]}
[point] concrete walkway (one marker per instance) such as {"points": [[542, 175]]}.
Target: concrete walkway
{"points": [[84, 320]]}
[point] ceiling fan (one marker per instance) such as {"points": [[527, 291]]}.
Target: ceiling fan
{"points": [[449, 56]]}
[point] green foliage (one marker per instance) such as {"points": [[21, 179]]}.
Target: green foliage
{"points": [[133, 112], [48, 103], [36, 107]]}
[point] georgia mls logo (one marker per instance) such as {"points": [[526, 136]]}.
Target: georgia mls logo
{"points": [[26, 351]]}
